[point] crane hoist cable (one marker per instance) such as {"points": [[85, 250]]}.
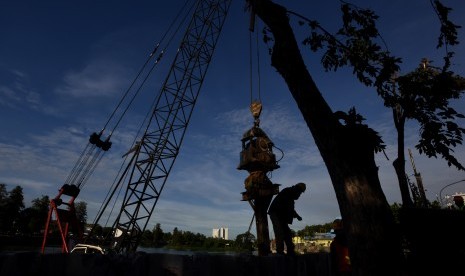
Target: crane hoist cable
{"points": [[92, 154], [251, 58], [209, 14], [253, 102], [162, 141], [171, 38], [180, 19]]}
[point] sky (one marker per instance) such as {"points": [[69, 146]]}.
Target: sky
{"points": [[64, 65]]}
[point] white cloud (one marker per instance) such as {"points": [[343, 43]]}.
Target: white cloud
{"points": [[202, 219], [7, 95], [18, 94], [100, 78], [37, 186]]}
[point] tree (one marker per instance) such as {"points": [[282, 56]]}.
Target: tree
{"points": [[33, 219], [422, 95], [146, 238], [176, 239], [14, 204], [348, 153], [309, 231], [245, 241], [3, 204], [158, 236], [27, 221], [40, 206], [81, 215], [81, 212], [3, 193]]}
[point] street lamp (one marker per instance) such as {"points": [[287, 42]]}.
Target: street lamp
{"points": [[440, 192]]}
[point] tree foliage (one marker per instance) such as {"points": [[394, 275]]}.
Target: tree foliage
{"points": [[14, 218], [353, 124], [158, 236], [3, 193], [309, 230], [368, 219], [245, 241], [11, 206], [179, 239], [81, 212], [32, 219], [423, 95]]}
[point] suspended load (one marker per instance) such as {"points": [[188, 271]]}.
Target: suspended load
{"points": [[257, 184], [257, 152], [257, 149], [258, 159]]}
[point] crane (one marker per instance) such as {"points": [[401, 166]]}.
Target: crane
{"points": [[421, 190], [153, 156]]}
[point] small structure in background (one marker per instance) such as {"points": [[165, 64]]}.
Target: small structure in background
{"points": [[450, 200], [459, 202], [319, 242], [221, 233]]}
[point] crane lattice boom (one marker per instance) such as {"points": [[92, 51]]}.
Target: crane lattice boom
{"points": [[159, 146]]}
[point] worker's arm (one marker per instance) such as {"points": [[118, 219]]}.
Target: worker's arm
{"points": [[299, 218]]}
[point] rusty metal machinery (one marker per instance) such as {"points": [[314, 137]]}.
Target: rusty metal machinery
{"points": [[258, 159], [62, 215]]}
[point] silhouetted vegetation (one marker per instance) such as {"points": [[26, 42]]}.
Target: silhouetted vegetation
{"points": [[16, 219], [187, 240], [348, 152]]}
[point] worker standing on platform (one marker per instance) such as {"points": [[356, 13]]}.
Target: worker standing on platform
{"points": [[282, 212]]}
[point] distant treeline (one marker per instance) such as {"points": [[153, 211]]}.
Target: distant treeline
{"points": [[16, 220], [185, 239], [19, 224]]}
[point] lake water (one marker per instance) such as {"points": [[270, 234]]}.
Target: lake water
{"points": [[55, 250], [189, 252]]}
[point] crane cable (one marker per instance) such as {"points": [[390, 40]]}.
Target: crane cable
{"points": [[116, 184], [252, 30], [92, 154], [157, 60]]}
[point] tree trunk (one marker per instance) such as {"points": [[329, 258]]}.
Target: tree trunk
{"points": [[261, 219], [373, 241], [399, 163]]}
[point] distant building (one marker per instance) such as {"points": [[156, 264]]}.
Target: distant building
{"points": [[322, 239], [221, 233], [450, 199]]}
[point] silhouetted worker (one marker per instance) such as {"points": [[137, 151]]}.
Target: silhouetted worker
{"points": [[459, 203], [282, 213], [339, 251]]}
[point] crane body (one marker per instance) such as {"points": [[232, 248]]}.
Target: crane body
{"points": [[421, 190], [155, 152], [160, 144]]}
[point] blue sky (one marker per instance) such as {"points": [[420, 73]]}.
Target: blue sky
{"points": [[65, 64]]}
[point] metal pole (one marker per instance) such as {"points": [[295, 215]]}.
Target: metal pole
{"points": [[440, 192]]}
